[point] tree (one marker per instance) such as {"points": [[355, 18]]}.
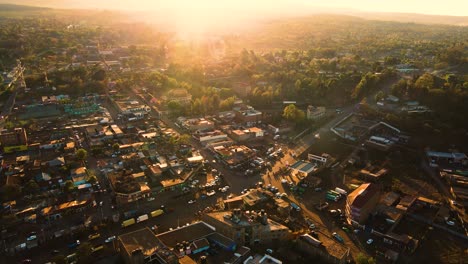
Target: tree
{"points": [[92, 179], [292, 113], [81, 154], [184, 139], [379, 96], [31, 187], [116, 147], [69, 186], [363, 259]]}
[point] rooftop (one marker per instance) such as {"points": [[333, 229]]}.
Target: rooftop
{"points": [[188, 233], [144, 240], [359, 197]]}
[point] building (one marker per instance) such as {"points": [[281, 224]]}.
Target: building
{"points": [[322, 245], [315, 112], [446, 159], [248, 115], [195, 238], [132, 109], [246, 134], [213, 136], [142, 246], [234, 155], [247, 227], [16, 137], [181, 96], [195, 124], [303, 169], [126, 188], [361, 202]]}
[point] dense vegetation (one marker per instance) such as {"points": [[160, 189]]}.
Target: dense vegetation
{"points": [[325, 60]]}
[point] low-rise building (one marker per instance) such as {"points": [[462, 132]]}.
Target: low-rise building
{"points": [[361, 202], [209, 137], [194, 124], [315, 112], [142, 246], [240, 135], [247, 227], [15, 137], [181, 96], [233, 156], [248, 115]]}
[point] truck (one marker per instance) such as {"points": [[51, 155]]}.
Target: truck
{"points": [[157, 213], [335, 193], [341, 191], [295, 207], [128, 222], [142, 218]]}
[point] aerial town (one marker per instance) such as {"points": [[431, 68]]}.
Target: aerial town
{"points": [[139, 165]]}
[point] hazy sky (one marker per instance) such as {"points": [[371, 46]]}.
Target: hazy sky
{"points": [[446, 7]]}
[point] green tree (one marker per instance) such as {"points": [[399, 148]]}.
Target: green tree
{"points": [[379, 96], [81, 154], [363, 259], [184, 139], [31, 187], [292, 113], [116, 147], [92, 179], [69, 186]]}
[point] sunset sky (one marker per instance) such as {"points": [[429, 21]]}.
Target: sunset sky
{"points": [[447, 7]]}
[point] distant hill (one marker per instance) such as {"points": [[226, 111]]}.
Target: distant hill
{"points": [[415, 18], [16, 8], [306, 10]]}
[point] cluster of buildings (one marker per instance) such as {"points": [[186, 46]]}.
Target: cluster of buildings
{"points": [[453, 168], [215, 235]]}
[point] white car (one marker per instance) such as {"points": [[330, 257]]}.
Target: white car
{"points": [[370, 241], [450, 223], [191, 201], [211, 193], [284, 181], [109, 239]]}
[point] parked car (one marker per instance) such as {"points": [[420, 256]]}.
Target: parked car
{"points": [[74, 244], [370, 241], [338, 237], [109, 239], [191, 201], [94, 236], [211, 193], [150, 199]]}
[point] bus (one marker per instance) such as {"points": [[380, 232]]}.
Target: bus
{"points": [[157, 213], [142, 218], [335, 192], [341, 191], [331, 198], [128, 222]]}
